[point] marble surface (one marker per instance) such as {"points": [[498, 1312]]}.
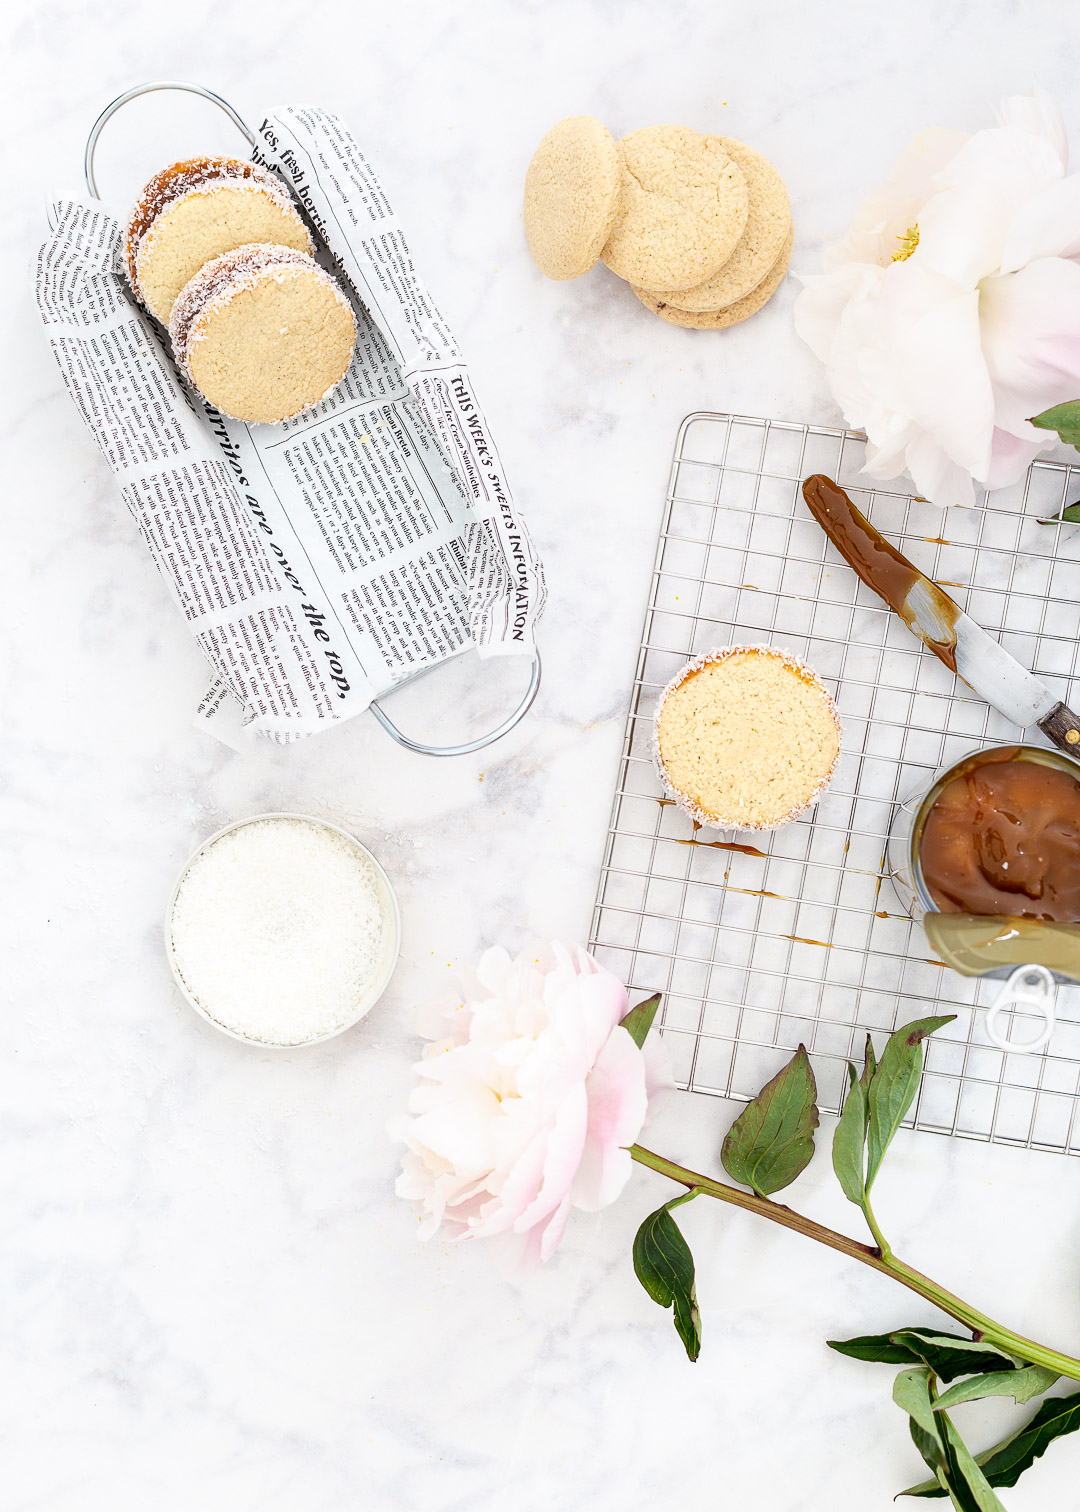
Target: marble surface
{"points": [[209, 1295]]}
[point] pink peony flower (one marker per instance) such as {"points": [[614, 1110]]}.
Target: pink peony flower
{"points": [[530, 1092], [950, 312]]}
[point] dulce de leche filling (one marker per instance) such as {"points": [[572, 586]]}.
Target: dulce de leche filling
{"points": [[1004, 838]]}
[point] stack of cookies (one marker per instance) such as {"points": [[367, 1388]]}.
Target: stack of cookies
{"points": [[699, 226]]}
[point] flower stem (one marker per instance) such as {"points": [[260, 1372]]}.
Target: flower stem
{"points": [[884, 1249], [878, 1258]]}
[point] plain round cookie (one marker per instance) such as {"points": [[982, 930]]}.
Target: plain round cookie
{"points": [[263, 333], [682, 209], [768, 225], [719, 320], [571, 196], [192, 212]]}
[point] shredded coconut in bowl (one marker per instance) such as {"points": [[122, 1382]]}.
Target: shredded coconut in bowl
{"points": [[280, 930]]}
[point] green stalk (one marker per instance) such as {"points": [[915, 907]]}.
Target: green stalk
{"points": [[884, 1248], [882, 1260]]}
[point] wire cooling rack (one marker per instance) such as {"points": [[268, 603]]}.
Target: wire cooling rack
{"points": [[759, 941]]}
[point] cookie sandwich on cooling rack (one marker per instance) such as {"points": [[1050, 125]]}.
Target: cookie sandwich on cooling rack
{"points": [[747, 737]]}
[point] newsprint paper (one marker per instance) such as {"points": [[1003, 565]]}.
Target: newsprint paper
{"points": [[321, 561]]}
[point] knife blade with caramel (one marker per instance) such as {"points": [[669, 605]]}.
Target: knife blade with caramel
{"points": [[938, 621]]}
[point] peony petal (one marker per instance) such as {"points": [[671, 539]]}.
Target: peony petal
{"points": [[617, 1108], [911, 353], [963, 228], [1036, 112], [886, 214], [561, 1158], [524, 1252], [493, 969], [937, 476], [1046, 225], [444, 1018], [553, 1230], [524, 1175], [1031, 341], [1011, 457], [820, 305]]}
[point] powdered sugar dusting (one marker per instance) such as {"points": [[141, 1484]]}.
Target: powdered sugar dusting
{"points": [[720, 654], [278, 930]]}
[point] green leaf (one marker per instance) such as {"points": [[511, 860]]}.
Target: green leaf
{"points": [[849, 1140], [893, 1086], [639, 1020], [1021, 1385], [1006, 1462], [948, 1355], [1063, 418], [1071, 513], [941, 1446], [951, 1355], [665, 1267], [967, 1483], [911, 1391], [879, 1348], [928, 1489], [869, 1064], [772, 1139]]}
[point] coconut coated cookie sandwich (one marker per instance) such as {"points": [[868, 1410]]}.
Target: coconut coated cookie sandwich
{"points": [[263, 332], [195, 210], [747, 737], [699, 226]]}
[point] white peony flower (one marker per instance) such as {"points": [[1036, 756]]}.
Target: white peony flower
{"points": [[950, 312], [530, 1092]]}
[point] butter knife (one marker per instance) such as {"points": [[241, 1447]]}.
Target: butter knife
{"points": [[928, 611]]}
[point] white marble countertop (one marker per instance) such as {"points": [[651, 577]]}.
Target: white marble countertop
{"points": [[210, 1296]]}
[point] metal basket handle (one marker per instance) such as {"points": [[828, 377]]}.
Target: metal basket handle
{"points": [[470, 745], [241, 125], [141, 89]]}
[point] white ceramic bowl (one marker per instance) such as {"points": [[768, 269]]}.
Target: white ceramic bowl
{"points": [[391, 942]]}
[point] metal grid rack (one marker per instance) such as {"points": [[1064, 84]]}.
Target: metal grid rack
{"points": [[759, 942]]}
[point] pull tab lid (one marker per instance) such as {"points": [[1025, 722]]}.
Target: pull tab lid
{"points": [[1030, 990], [974, 944]]}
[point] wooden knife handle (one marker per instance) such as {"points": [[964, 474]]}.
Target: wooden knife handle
{"points": [[1062, 726]]}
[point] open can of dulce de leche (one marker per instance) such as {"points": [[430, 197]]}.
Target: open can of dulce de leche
{"points": [[987, 858]]}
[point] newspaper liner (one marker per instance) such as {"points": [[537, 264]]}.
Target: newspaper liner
{"points": [[320, 561]]}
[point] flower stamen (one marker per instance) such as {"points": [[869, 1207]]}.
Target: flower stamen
{"points": [[908, 240]]}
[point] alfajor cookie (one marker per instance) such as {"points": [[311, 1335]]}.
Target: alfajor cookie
{"points": [[747, 737], [571, 196], [682, 209], [719, 320], [195, 210], [263, 332], [768, 225]]}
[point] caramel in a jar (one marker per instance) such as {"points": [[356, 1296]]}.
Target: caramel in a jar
{"points": [[1003, 838]]}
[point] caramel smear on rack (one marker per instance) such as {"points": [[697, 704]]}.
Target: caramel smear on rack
{"points": [[727, 845]]}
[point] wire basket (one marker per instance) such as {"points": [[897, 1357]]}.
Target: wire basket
{"points": [[760, 942]]}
